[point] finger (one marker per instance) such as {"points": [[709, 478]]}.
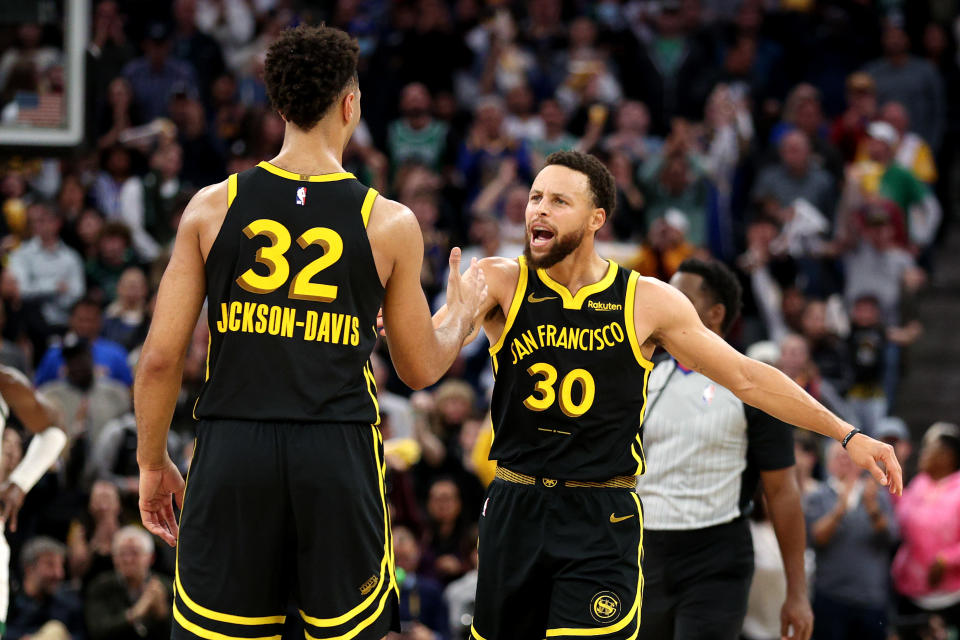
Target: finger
{"points": [[153, 525], [894, 471], [178, 496], [455, 261], [170, 520]]}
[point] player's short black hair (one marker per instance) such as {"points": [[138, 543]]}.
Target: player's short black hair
{"points": [[722, 285], [602, 186], [306, 69]]}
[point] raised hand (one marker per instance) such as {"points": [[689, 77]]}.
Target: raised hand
{"points": [[877, 458], [465, 293]]}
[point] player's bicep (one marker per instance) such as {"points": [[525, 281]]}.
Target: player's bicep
{"points": [[34, 410], [406, 314], [680, 331]]}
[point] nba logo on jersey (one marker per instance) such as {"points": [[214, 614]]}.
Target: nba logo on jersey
{"points": [[302, 196], [709, 393]]}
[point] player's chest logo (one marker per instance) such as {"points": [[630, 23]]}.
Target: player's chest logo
{"points": [[709, 393], [302, 196]]}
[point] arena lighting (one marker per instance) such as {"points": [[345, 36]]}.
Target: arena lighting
{"points": [[76, 34]]}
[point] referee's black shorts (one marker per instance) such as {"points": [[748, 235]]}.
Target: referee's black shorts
{"points": [[281, 511], [558, 562]]}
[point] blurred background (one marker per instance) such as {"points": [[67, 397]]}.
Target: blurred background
{"points": [[809, 144]]}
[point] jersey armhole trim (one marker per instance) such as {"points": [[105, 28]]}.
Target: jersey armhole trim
{"points": [[231, 189], [368, 205], [514, 305], [628, 307]]}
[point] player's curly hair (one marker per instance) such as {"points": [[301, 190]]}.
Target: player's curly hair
{"points": [[602, 186], [306, 69], [722, 285]]}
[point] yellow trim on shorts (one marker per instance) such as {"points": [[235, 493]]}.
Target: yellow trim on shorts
{"points": [[628, 313], [197, 630], [576, 301], [514, 305], [372, 390], [210, 614], [289, 175], [231, 189], [386, 571], [634, 610], [368, 205], [473, 631]]}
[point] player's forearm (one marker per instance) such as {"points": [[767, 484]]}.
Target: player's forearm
{"points": [[786, 514], [770, 390], [448, 336], [155, 392]]}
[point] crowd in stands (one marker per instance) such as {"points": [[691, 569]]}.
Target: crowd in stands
{"points": [[809, 144]]}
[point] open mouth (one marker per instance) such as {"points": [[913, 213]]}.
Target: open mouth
{"points": [[540, 236]]}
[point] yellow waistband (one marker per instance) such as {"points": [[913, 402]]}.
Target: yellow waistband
{"points": [[618, 482]]}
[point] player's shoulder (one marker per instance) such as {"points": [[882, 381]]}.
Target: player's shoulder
{"points": [[209, 203], [502, 275], [388, 217]]}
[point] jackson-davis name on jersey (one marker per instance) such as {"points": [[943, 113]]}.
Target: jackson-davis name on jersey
{"points": [[549, 335], [274, 320]]}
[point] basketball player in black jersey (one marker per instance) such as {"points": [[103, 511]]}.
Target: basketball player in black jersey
{"points": [[294, 257], [561, 540]]}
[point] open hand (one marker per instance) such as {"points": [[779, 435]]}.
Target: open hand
{"points": [[157, 487], [11, 499], [465, 293], [796, 618], [877, 458]]}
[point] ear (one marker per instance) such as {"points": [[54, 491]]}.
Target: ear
{"points": [[349, 104], [598, 219], [715, 315]]}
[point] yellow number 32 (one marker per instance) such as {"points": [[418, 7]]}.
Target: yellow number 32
{"points": [[272, 256]]}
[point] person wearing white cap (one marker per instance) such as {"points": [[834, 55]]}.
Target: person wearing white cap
{"points": [[881, 175]]}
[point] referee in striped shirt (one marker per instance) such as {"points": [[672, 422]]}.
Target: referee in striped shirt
{"points": [[707, 452]]}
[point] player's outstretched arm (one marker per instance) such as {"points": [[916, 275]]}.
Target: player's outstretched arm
{"points": [[668, 318], [160, 369], [421, 353], [41, 418]]}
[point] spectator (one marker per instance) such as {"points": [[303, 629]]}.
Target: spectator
{"points": [[881, 175], [868, 348], [926, 570], [87, 402], [416, 136], [86, 321], [47, 273], [795, 177], [446, 536], [555, 136], [676, 180], [912, 151], [109, 49], [850, 129], [11, 354], [828, 352], [665, 247], [852, 530], [487, 240], [796, 363], [807, 451], [803, 111], [119, 195], [91, 534], [487, 145], [631, 133], [522, 121], [460, 596], [43, 597], [114, 257], [125, 320], [627, 217], [162, 189], [192, 46], [88, 228], [912, 81], [129, 603], [119, 114], [423, 613], [156, 77], [29, 49]]}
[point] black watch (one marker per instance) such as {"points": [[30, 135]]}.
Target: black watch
{"points": [[847, 437]]}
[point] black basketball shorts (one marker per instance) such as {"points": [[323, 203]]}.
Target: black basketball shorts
{"points": [[558, 562], [281, 512]]}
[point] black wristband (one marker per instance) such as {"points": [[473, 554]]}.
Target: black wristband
{"points": [[847, 437]]}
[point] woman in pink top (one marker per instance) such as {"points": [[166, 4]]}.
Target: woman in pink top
{"points": [[926, 570]]}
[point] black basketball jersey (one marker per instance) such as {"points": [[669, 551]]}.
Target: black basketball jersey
{"points": [[293, 294], [571, 381]]}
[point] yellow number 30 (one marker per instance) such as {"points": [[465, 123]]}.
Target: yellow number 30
{"points": [[547, 395], [272, 256]]}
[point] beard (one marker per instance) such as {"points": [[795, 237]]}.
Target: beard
{"points": [[562, 247]]}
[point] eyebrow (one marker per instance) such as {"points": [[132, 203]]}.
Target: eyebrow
{"points": [[555, 193]]}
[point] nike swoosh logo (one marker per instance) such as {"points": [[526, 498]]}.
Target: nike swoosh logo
{"points": [[532, 298], [614, 519]]}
